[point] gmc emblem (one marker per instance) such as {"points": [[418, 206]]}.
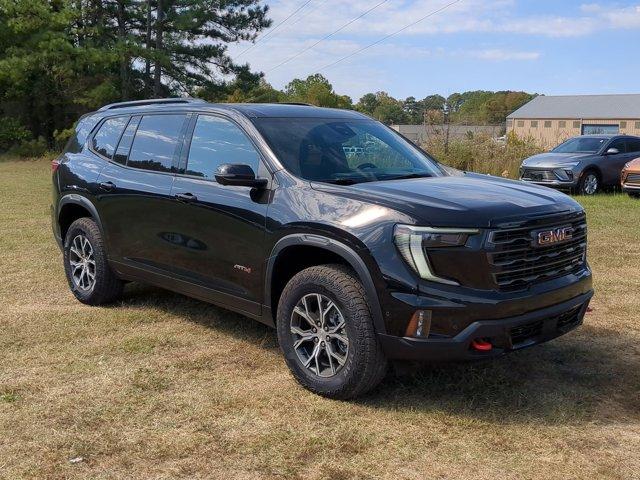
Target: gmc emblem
{"points": [[555, 235]]}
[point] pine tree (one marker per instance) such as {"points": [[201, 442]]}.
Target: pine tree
{"points": [[61, 58]]}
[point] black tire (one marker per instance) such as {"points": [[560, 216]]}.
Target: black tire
{"points": [[365, 365], [634, 195], [586, 185], [106, 287]]}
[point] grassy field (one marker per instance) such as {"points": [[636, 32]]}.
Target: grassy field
{"points": [[162, 386]]}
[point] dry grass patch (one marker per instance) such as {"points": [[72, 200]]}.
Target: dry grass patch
{"points": [[162, 386]]}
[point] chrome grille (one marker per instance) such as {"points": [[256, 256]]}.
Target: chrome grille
{"points": [[633, 178], [516, 263], [539, 175]]}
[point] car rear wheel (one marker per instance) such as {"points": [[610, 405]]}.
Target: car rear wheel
{"points": [[85, 262], [325, 331], [589, 183]]}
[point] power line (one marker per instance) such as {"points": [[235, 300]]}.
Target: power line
{"points": [[326, 36], [297, 20], [274, 28], [431, 14], [306, 14]]}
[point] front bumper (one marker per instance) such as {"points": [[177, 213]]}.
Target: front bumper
{"points": [[631, 188], [559, 184], [506, 334]]}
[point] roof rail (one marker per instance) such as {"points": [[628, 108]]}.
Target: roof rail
{"points": [[296, 103], [153, 101]]}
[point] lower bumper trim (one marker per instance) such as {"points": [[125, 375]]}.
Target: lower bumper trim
{"points": [[506, 335]]}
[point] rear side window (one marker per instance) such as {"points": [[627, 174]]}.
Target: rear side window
{"points": [[122, 152], [216, 141], [106, 138], [633, 145], [155, 142]]}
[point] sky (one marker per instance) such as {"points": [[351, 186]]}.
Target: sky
{"points": [[547, 47]]}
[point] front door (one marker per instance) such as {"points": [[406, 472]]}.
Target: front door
{"points": [[220, 229]]}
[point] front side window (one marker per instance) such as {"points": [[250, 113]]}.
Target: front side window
{"points": [[343, 150], [106, 138], [155, 142], [581, 145], [618, 144], [216, 141]]}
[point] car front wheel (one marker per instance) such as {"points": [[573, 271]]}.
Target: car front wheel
{"points": [[325, 331], [589, 183]]}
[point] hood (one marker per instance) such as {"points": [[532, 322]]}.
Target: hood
{"points": [[633, 165], [552, 159], [469, 200]]}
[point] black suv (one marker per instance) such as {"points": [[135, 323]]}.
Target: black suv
{"points": [[355, 244]]}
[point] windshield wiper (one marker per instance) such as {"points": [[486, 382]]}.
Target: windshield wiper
{"points": [[410, 175], [341, 181]]}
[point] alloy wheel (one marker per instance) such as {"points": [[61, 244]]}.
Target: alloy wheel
{"points": [[590, 184], [319, 335], [82, 263]]}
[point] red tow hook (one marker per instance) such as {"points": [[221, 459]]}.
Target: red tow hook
{"points": [[481, 345]]}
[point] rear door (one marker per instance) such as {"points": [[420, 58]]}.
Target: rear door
{"points": [[135, 201], [219, 230]]}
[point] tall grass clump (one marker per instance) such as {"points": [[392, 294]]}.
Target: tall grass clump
{"points": [[483, 154]]}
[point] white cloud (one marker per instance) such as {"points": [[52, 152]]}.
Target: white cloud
{"points": [[484, 16], [498, 55], [438, 37]]}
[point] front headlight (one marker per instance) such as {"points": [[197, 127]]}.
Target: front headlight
{"points": [[568, 164], [412, 242]]}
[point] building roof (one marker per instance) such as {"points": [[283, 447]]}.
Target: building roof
{"points": [[581, 106]]}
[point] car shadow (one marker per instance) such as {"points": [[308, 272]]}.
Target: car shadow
{"points": [[590, 375]]}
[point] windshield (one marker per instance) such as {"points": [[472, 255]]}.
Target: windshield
{"points": [[344, 151], [581, 145]]}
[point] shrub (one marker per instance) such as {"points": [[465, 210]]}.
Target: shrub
{"points": [[482, 154], [12, 133], [30, 148], [61, 137]]}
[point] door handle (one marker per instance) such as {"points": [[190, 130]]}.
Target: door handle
{"points": [[107, 186], [186, 197]]}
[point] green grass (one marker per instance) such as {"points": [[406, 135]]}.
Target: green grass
{"points": [[163, 386]]}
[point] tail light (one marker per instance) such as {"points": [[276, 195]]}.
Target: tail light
{"points": [[54, 165]]}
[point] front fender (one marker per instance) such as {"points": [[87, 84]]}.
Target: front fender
{"points": [[350, 255]]}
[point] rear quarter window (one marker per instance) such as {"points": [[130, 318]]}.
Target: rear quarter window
{"points": [[81, 133]]}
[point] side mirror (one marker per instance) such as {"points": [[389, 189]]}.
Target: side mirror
{"points": [[238, 174], [612, 151]]}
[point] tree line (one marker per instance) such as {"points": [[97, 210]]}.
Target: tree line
{"points": [[473, 107], [62, 58]]}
